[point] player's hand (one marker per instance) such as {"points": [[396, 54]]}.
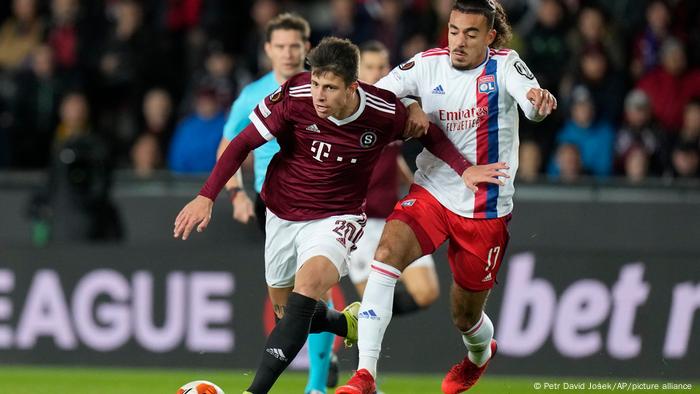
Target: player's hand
{"points": [[487, 173], [417, 122], [196, 213], [242, 207], [543, 101]]}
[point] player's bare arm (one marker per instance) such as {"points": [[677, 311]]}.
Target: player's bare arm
{"points": [[242, 205], [543, 101], [198, 211], [417, 122]]}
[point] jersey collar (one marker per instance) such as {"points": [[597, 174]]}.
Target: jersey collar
{"points": [[354, 116]]}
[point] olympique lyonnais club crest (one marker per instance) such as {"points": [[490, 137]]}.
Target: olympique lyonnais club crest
{"points": [[407, 65], [486, 84], [522, 69], [368, 139]]}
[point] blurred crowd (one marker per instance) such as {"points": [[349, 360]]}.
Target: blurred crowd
{"points": [[149, 83]]}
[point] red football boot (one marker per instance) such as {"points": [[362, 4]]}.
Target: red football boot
{"points": [[360, 383], [464, 375]]}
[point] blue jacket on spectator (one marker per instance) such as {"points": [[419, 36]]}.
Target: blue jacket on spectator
{"points": [[595, 143], [193, 148]]}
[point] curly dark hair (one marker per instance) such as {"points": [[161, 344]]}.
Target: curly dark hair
{"points": [[495, 15]]}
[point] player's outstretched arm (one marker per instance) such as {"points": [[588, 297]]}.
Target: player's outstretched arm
{"points": [[198, 211], [543, 101], [242, 205], [417, 121]]}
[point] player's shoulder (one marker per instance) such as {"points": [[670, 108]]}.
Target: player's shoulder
{"points": [[503, 55], [433, 54], [379, 100], [298, 86]]}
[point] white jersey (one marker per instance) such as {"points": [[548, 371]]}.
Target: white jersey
{"points": [[477, 110]]}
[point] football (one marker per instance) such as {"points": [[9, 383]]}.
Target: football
{"points": [[200, 387]]}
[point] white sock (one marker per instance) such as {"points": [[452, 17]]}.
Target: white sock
{"points": [[478, 341], [375, 314]]}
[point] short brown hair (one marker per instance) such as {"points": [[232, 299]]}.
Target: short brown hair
{"points": [[337, 55], [373, 46], [288, 21]]}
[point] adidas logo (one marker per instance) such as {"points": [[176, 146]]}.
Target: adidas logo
{"points": [[439, 90], [487, 277], [276, 353], [368, 315], [313, 128]]}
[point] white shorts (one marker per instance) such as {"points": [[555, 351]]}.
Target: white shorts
{"points": [[362, 257], [288, 244]]}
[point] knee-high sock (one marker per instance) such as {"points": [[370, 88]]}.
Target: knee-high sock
{"points": [[285, 341], [328, 320], [375, 314], [320, 348], [478, 340]]}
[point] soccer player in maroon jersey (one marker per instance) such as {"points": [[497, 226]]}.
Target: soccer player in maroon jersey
{"points": [[331, 129]]}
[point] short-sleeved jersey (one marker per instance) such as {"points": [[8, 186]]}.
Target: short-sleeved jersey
{"points": [[477, 110], [238, 119], [324, 165]]}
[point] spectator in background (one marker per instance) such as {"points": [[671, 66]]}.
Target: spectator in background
{"points": [[20, 34], [530, 159], [80, 179], [262, 13], [690, 132], [125, 56], [647, 46], [568, 163], [546, 49], [393, 26], [594, 139], [640, 135], [193, 148], [685, 159], [64, 35], [36, 105], [607, 88], [671, 86], [219, 73], [347, 20], [593, 30], [148, 152], [636, 165]]}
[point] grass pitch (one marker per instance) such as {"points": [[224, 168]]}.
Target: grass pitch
{"points": [[48, 380]]}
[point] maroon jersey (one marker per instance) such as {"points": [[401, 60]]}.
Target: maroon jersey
{"points": [[324, 165], [383, 190]]}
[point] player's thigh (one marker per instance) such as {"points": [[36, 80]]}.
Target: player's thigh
{"points": [[416, 227], [315, 277], [466, 306], [361, 258], [476, 251], [332, 238], [280, 251]]}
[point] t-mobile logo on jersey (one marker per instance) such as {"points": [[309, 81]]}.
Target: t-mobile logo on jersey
{"points": [[320, 149]]}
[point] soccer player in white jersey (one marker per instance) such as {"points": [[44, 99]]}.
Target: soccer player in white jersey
{"points": [[419, 286], [471, 90]]}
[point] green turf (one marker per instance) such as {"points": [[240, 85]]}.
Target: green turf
{"points": [[45, 380]]}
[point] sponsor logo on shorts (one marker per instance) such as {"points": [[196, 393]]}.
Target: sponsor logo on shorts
{"points": [[408, 203]]}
